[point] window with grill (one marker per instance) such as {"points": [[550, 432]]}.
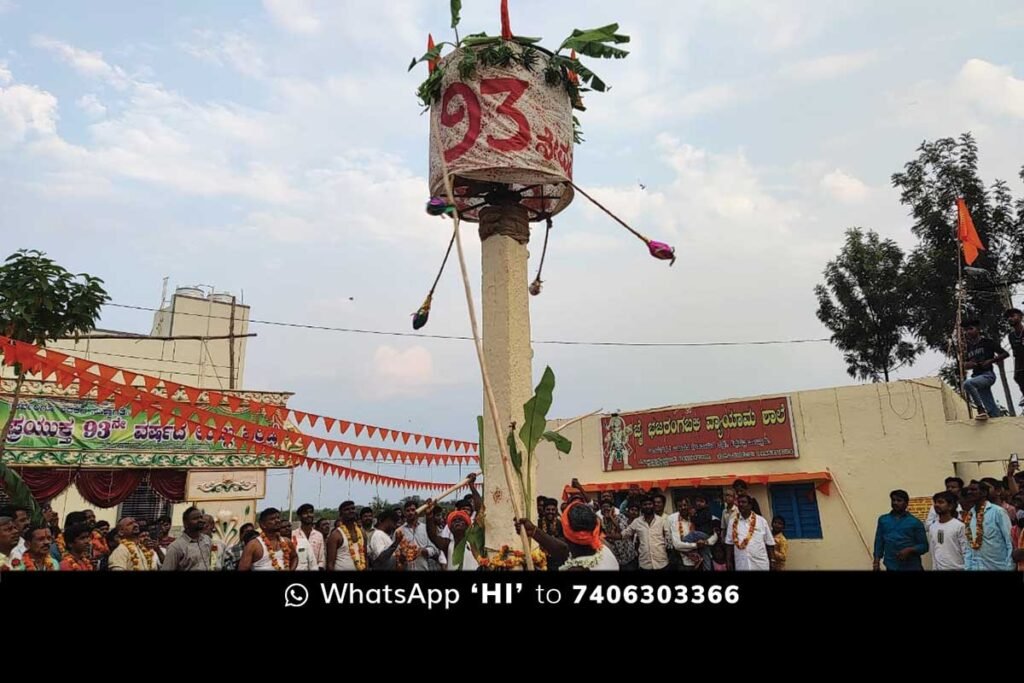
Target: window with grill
{"points": [[798, 505], [144, 503]]}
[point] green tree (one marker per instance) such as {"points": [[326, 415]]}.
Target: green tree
{"points": [[865, 304], [930, 184], [41, 302]]}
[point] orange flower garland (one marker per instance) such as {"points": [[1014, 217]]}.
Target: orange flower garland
{"points": [[133, 553], [73, 564], [285, 553], [355, 547], [750, 531], [62, 546], [976, 538], [30, 565]]}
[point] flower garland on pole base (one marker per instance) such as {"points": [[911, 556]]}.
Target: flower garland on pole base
{"points": [[507, 559]]}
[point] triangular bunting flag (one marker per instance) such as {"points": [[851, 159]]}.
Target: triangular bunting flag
{"points": [[151, 383], [359, 428], [447, 444], [255, 407], [371, 431], [104, 392], [405, 438], [385, 434], [215, 398], [106, 372], [417, 438], [342, 426], [65, 379], [57, 359], [312, 419], [82, 365], [128, 377], [84, 388], [234, 403], [192, 393], [299, 416], [171, 388], [329, 423], [428, 441]]}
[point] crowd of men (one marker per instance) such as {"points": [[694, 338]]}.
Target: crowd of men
{"points": [[977, 526]]}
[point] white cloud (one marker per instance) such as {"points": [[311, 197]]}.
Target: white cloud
{"points": [[91, 105], [5, 74], [296, 16], [25, 110], [830, 66], [395, 373], [844, 187], [992, 88], [230, 49], [90, 64]]}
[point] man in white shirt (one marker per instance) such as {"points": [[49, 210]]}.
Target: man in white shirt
{"points": [[728, 509], [652, 532], [308, 542], [749, 537], [418, 550], [21, 518], [946, 535], [954, 485], [380, 548], [685, 538]]}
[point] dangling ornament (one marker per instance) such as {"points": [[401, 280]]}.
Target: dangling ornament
{"points": [[420, 317], [660, 250], [439, 207], [535, 286]]}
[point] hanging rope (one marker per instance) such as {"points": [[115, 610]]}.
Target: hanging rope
{"points": [[658, 250], [535, 286], [420, 317]]}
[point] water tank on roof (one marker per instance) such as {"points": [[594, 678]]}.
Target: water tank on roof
{"points": [[222, 297], [194, 292]]}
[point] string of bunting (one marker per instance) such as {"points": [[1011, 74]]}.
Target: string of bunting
{"points": [[235, 404], [257, 439]]}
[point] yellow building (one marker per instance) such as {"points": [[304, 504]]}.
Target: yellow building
{"points": [[852, 446], [195, 340]]}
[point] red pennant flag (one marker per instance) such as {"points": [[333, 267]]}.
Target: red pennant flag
{"points": [[312, 419], [56, 358], [106, 372], [120, 400], [359, 428], [234, 403], [447, 444], [84, 388], [82, 365], [65, 379], [215, 398], [192, 393], [135, 408], [343, 426], [405, 438], [329, 423], [385, 434], [299, 416], [255, 407], [968, 236], [506, 28], [332, 448], [171, 388], [128, 377], [151, 383], [428, 441], [104, 392], [431, 64], [371, 432]]}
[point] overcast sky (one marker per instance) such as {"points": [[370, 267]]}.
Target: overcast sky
{"points": [[276, 148]]}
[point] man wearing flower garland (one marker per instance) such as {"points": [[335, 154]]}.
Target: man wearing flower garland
{"points": [[131, 555], [582, 549], [458, 550], [346, 546], [987, 527], [37, 556], [415, 550], [749, 540], [269, 551], [78, 542]]}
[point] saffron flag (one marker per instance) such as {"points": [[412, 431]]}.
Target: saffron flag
{"points": [[966, 233]]}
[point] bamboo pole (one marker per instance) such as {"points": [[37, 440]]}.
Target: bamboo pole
{"points": [[849, 511], [441, 496]]}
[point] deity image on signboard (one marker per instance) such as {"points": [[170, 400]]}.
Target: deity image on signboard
{"points": [[616, 444]]}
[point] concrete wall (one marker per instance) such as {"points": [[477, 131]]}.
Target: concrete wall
{"points": [[873, 438], [197, 363]]}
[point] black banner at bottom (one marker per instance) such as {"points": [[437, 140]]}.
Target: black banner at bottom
{"points": [[464, 592]]}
